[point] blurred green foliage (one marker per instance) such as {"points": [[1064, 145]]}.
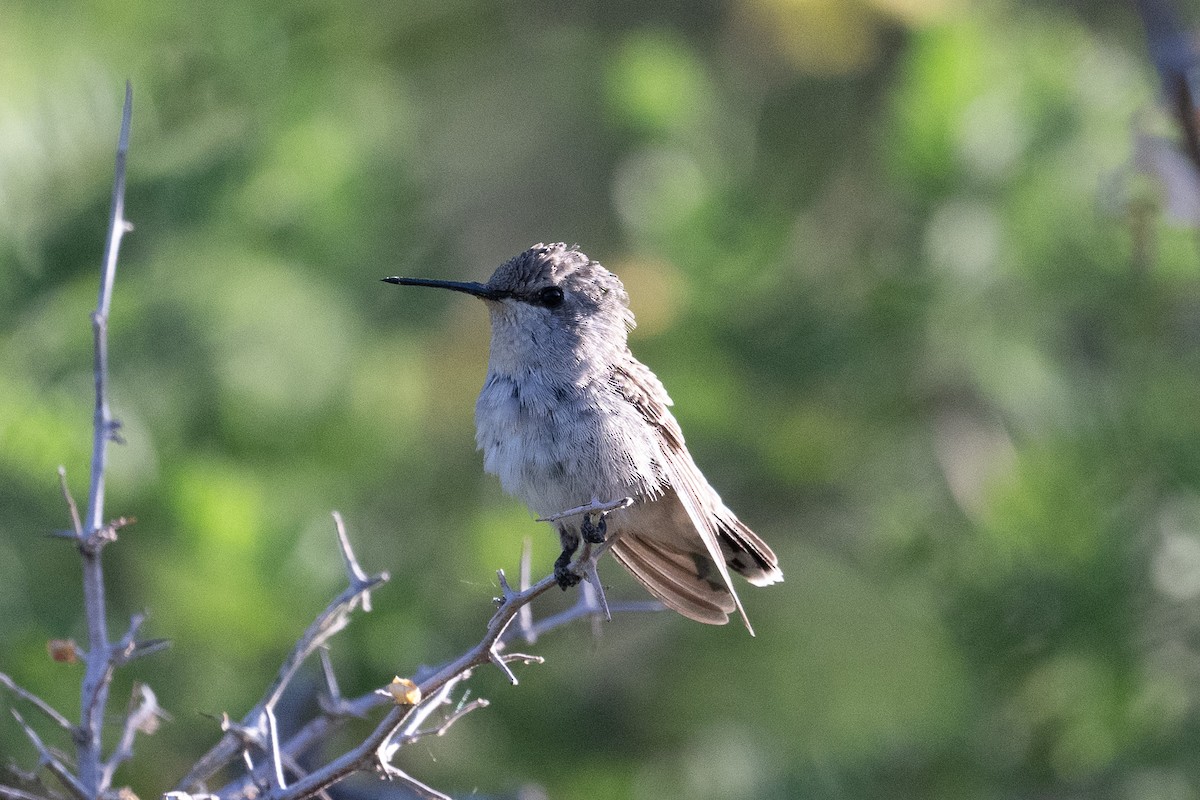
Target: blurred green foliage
{"points": [[925, 329]]}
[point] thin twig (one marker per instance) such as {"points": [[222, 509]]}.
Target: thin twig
{"points": [[41, 705], [593, 590], [525, 615], [459, 713], [118, 226], [356, 574], [94, 691], [592, 507], [585, 608], [13, 793], [72, 506], [333, 619], [144, 718], [273, 741], [401, 725], [123, 650], [50, 761], [418, 788], [423, 712], [413, 730], [364, 754], [332, 701]]}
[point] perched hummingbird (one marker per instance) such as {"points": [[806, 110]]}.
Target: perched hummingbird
{"points": [[567, 416]]}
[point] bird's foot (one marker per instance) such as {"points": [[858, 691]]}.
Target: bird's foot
{"points": [[564, 572], [594, 532]]}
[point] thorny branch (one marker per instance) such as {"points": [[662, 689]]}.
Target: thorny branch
{"points": [[257, 726], [93, 537], [94, 775], [376, 750], [405, 723]]}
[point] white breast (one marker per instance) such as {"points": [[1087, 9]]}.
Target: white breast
{"points": [[559, 446]]}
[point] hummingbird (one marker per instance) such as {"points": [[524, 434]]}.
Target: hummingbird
{"points": [[568, 417]]}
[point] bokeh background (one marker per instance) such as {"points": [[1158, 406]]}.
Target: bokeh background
{"points": [[931, 326]]}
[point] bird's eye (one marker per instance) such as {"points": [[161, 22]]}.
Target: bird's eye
{"points": [[550, 297]]}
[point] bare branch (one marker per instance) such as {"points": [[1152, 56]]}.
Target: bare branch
{"points": [[94, 692], [486, 651], [52, 762], [333, 619], [13, 793], [362, 756], [459, 713], [593, 507], [41, 705], [329, 622], [403, 723]]}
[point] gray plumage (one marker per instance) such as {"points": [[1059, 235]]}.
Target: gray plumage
{"points": [[567, 415]]}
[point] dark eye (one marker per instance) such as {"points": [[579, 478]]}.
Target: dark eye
{"points": [[550, 297]]}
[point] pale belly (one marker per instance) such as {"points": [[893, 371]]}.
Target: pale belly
{"points": [[557, 448]]}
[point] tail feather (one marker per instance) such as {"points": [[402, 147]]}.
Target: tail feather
{"points": [[745, 552], [676, 578]]}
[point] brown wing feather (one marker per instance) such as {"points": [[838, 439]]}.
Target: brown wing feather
{"points": [[639, 386]]}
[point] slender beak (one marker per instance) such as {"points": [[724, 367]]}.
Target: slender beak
{"points": [[467, 287]]}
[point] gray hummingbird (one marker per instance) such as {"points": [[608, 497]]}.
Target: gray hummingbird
{"points": [[568, 417]]}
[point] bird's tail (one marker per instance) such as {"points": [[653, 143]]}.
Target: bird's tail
{"points": [[745, 552], [687, 582]]}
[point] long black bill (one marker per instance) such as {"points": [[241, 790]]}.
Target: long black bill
{"points": [[467, 287]]}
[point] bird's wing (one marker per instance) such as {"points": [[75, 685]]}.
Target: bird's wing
{"points": [[639, 386]]}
